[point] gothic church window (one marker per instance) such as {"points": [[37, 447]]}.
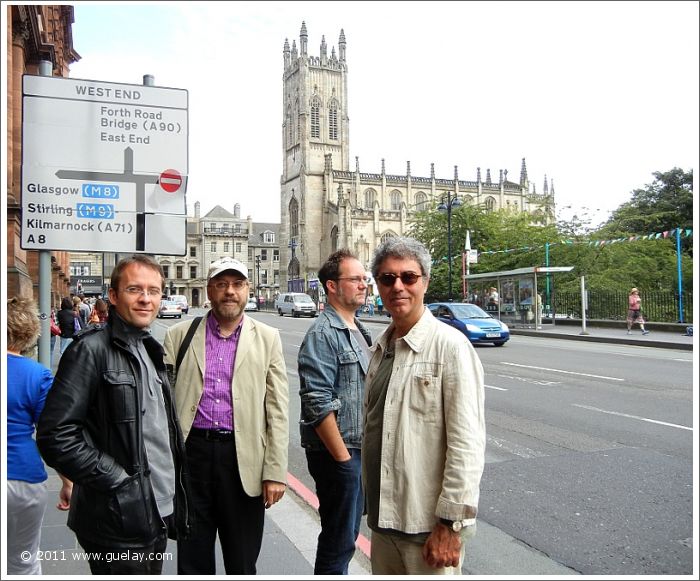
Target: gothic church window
{"points": [[370, 197], [421, 202], [490, 204], [387, 235], [315, 118], [334, 238], [395, 200], [289, 127], [293, 218], [296, 109], [333, 120]]}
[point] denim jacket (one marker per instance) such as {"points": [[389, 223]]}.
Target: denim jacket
{"points": [[331, 379]]}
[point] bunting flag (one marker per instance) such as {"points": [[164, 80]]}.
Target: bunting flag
{"points": [[684, 233]]}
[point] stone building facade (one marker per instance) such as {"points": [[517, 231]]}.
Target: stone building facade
{"points": [[326, 204], [35, 33], [221, 233]]}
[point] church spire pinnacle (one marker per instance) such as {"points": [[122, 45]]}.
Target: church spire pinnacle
{"points": [[303, 39]]}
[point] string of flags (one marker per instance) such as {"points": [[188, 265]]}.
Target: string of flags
{"points": [[684, 233]]}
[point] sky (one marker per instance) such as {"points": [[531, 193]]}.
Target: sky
{"points": [[596, 95]]}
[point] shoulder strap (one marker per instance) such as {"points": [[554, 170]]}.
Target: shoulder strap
{"points": [[186, 342]]}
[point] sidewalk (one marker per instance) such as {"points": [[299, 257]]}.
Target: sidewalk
{"points": [[289, 541]]}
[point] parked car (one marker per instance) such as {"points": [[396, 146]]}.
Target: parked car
{"points": [[295, 304], [182, 301], [251, 305], [473, 321], [169, 309]]}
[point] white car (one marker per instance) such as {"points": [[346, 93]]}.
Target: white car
{"points": [[251, 305], [169, 309]]}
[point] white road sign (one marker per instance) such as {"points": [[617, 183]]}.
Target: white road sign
{"points": [[104, 166]]}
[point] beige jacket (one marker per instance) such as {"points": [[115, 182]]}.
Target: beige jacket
{"points": [[434, 436], [260, 397]]}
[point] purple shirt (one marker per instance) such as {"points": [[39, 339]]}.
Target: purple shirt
{"points": [[215, 411]]}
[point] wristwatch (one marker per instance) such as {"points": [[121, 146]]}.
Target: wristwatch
{"points": [[458, 525]]}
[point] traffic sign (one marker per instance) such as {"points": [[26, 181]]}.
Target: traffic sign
{"points": [[170, 180], [93, 155]]}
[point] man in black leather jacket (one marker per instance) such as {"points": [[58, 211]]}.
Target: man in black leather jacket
{"points": [[110, 426]]}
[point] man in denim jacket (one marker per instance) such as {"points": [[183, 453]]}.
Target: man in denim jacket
{"points": [[332, 364]]}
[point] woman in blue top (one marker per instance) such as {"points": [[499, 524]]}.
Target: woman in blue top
{"points": [[27, 385]]}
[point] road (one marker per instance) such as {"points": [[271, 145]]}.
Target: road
{"points": [[589, 452]]}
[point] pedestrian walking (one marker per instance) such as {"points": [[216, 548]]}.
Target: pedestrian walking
{"points": [[231, 394], [109, 425], [634, 313], [332, 363], [424, 436], [28, 382]]}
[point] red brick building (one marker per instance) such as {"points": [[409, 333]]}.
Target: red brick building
{"points": [[34, 33]]}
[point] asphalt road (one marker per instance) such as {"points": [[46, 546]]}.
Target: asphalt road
{"points": [[589, 454]]}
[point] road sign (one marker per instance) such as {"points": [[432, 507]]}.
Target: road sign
{"points": [[170, 180], [93, 155]]}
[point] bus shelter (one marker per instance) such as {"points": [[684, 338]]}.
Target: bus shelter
{"points": [[513, 297]]}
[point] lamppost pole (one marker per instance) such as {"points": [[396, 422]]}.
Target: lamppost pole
{"points": [[257, 266], [452, 202]]}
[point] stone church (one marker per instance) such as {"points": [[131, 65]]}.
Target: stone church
{"points": [[326, 204]]}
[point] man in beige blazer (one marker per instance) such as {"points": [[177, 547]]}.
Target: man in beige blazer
{"points": [[231, 396]]}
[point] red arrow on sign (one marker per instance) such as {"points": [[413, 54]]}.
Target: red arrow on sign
{"points": [[170, 180]]}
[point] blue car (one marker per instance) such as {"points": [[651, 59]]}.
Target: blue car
{"points": [[474, 322]]}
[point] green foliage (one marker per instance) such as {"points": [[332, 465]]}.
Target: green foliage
{"points": [[649, 264]]}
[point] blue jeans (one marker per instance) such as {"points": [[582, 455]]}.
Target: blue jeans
{"points": [[340, 498]]}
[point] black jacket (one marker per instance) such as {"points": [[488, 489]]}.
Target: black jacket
{"points": [[91, 432], [66, 321]]}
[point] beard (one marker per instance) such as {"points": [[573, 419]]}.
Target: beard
{"points": [[227, 310]]}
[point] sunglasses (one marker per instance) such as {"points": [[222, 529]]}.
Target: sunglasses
{"points": [[388, 279]]}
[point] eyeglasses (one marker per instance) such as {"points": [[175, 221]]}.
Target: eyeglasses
{"points": [[389, 278], [355, 279], [224, 284], [151, 292]]}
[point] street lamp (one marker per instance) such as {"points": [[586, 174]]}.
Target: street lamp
{"points": [[293, 271], [452, 202], [257, 266]]}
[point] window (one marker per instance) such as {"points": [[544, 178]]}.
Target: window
{"points": [[289, 126], [193, 272], [370, 197], [263, 254], [333, 120], [276, 255], [237, 228], [263, 276], [395, 200], [250, 254], [388, 235], [166, 271], [238, 247], [296, 109], [276, 277], [293, 218], [226, 244], [193, 251], [213, 247], [178, 270], [334, 238], [80, 269], [421, 202], [269, 237], [315, 120], [490, 203]]}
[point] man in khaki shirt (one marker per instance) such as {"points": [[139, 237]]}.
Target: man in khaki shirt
{"points": [[424, 435]]}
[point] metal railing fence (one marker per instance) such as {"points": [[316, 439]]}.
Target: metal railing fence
{"points": [[657, 306]]}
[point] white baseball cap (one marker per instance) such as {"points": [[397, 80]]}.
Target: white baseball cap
{"points": [[224, 264]]}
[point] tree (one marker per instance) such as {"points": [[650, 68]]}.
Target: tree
{"points": [[665, 204]]}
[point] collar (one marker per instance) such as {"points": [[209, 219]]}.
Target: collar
{"points": [[214, 327], [416, 337]]}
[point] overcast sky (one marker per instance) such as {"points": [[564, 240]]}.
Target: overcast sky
{"points": [[596, 95]]}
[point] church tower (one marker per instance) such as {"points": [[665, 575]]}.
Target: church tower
{"points": [[315, 134]]}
